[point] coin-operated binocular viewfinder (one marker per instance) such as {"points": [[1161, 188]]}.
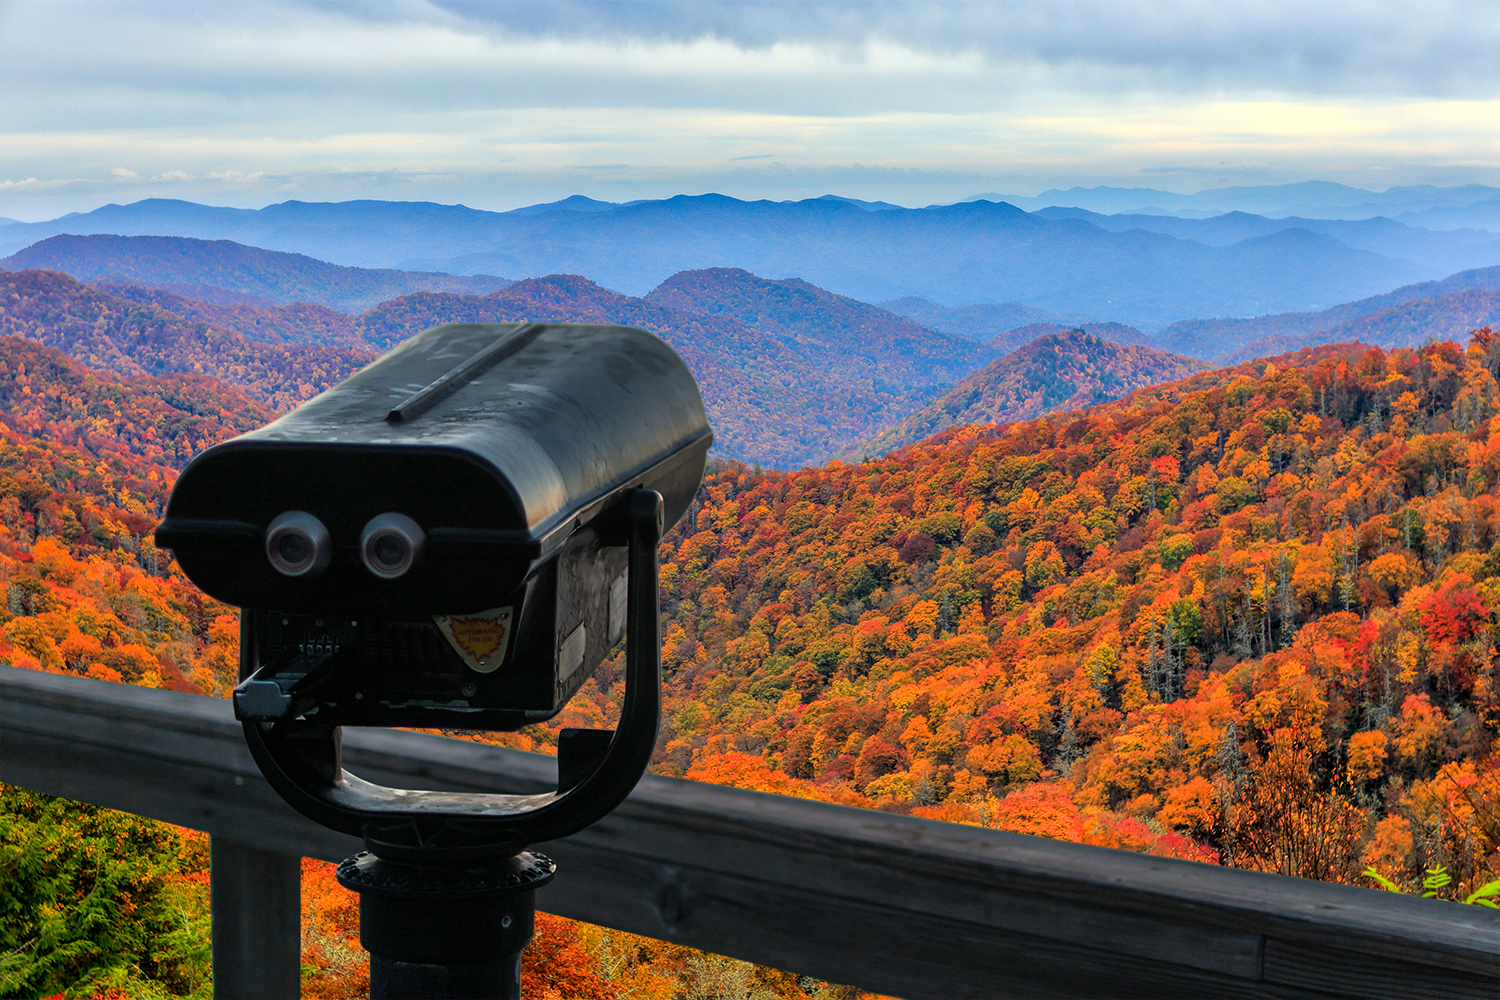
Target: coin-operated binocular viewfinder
{"points": [[455, 537]]}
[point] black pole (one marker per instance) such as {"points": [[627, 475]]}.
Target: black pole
{"points": [[446, 932]]}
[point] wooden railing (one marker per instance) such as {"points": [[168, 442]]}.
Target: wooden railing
{"points": [[897, 905]]}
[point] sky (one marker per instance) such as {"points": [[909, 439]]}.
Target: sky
{"points": [[498, 105]]}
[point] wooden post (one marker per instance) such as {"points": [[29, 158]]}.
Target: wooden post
{"points": [[256, 898]]}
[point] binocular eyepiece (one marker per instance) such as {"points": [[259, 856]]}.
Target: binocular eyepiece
{"points": [[299, 545], [390, 545]]}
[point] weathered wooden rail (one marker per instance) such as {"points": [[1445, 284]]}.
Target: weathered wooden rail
{"points": [[897, 905]]}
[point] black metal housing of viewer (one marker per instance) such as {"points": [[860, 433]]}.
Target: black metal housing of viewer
{"points": [[454, 537]]}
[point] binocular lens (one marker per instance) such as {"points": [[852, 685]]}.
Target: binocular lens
{"points": [[297, 544], [390, 545], [292, 549]]}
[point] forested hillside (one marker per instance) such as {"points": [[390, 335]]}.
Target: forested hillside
{"points": [[189, 265], [298, 323], [1404, 317], [781, 396], [1225, 338], [1438, 317], [1115, 333], [1244, 618], [866, 342], [1066, 370], [792, 388], [165, 419], [1247, 617], [131, 338], [87, 591], [983, 321]]}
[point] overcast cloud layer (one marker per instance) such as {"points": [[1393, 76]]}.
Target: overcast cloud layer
{"points": [[503, 104]]}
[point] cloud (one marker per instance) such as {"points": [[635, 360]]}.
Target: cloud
{"points": [[235, 176], [1340, 46], [839, 57], [46, 184], [496, 103]]}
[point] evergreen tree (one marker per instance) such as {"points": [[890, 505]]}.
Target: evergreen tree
{"points": [[93, 900]]}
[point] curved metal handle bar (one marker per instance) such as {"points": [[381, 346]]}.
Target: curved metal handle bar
{"points": [[316, 786]]}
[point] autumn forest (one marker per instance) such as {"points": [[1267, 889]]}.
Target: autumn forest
{"points": [[1243, 618]]}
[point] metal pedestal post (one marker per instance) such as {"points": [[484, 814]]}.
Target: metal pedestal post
{"points": [[445, 931]]}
